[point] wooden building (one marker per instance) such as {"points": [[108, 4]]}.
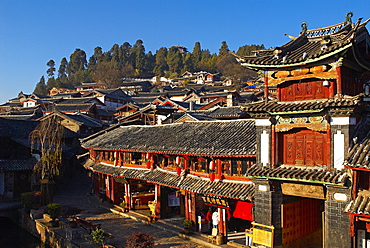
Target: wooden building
{"points": [[302, 187], [183, 168]]}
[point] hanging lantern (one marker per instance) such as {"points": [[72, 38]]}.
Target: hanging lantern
{"points": [[178, 160], [148, 164], [148, 156], [212, 176], [178, 170], [212, 165]]}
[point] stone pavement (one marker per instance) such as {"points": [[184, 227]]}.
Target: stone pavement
{"points": [[166, 233]]}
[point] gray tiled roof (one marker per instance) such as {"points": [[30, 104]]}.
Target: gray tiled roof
{"points": [[308, 46], [313, 174], [217, 138], [360, 205], [237, 190], [276, 106], [15, 165]]}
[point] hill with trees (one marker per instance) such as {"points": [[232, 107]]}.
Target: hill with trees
{"points": [[127, 61]]}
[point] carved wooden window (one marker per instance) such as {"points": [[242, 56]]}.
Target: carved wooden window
{"points": [[305, 147], [297, 90]]}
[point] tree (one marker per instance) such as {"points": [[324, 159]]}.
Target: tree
{"points": [[224, 49], [46, 139], [77, 62], [62, 68], [246, 50], [40, 88], [138, 51], [174, 61], [106, 75], [160, 62], [196, 54], [51, 70]]}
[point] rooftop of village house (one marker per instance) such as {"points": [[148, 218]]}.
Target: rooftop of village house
{"points": [[215, 138]]}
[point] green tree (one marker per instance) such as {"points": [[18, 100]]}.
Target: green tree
{"points": [[196, 54], [50, 71], [62, 68], [174, 61], [160, 62], [40, 88], [77, 62], [188, 63], [138, 52], [246, 50], [125, 54], [224, 49]]}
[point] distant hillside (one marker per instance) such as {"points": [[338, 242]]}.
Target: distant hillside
{"points": [[126, 61]]}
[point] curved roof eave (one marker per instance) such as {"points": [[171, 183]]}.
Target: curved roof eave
{"points": [[308, 61]]}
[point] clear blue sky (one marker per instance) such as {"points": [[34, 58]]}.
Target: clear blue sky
{"points": [[33, 31]]}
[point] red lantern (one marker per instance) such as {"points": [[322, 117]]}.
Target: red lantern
{"points": [[212, 176], [178, 160], [212, 165], [148, 165], [148, 156], [178, 170]]}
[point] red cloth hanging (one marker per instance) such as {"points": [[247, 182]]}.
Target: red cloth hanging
{"points": [[243, 210]]}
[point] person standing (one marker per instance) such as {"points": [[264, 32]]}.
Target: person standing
{"points": [[215, 220], [209, 220]]}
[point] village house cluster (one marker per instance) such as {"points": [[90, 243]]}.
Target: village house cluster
{"points": [[287, 162]]}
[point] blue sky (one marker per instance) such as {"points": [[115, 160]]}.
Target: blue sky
{"points": [[33, 31]]}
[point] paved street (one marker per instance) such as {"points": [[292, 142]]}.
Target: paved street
{"points": [[76, 192]]}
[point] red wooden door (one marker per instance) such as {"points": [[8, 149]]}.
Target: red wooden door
{"points": [[305, 147]]}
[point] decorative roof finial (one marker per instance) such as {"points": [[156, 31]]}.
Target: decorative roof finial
{"points": [[349, 16], [304, 27]]}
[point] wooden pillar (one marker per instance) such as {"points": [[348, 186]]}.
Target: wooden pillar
{"points": [[266, 90], [328, 147], [157, 199], [186, 164], [113, 193], [222, 223], [273, 145], [187, 205], [192, 213], [219, 169], [355, 186], [338, 70], [128, 195]]}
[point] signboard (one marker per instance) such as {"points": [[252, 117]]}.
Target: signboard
{"points": [[263, 235], [303, 190], [215, 201], [173, 200]]}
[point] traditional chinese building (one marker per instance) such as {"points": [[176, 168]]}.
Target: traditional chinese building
{"points": [[180, 168], [302, 187]]}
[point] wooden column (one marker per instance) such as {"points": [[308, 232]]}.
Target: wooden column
{"points": [[338, 70], [273, 145], [157, 199], [222, 223], [355, 186], [128, 195], [219, 168], [266, 90]]}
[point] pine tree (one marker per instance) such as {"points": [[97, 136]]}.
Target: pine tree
{"points": [[160, 62], [224, 49], [40, 88]]}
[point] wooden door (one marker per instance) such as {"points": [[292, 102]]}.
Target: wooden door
{"points": [[304, 147]]}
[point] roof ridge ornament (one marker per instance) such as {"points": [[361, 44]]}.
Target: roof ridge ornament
{"points": [[304, 26], [349, 16]]}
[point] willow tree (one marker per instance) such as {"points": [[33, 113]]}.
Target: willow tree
{"points": [[47, 139]]}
